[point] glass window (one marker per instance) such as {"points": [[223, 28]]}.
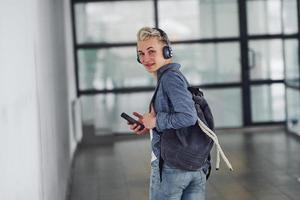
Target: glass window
{"points": [[115, 21], [291, 62], [293, 110], [209, 63], [267, 103], [194, 19], [266, 59], [226, 106], [264, 17], [103, 111], [111, 68], [202, 63], [290, 16]]}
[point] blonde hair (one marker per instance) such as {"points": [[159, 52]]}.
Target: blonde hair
{"points": [[147, 33]]}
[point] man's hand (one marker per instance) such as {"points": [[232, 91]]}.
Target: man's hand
{"points": [[149, 119], [136, 128]]}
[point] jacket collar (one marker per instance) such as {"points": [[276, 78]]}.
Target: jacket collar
{"points": [[164, 68]]}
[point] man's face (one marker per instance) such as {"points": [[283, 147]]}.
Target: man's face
{"points": [[151, 55]]}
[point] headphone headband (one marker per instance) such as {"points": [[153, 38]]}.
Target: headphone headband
{"points": [[163, 35]]}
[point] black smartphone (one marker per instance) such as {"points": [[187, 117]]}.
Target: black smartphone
{"points": [[132, 121]]}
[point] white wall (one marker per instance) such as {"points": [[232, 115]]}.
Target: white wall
{"points": [[36, 143], [75, 135]]}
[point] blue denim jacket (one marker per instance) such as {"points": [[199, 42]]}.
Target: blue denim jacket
{"points": [[173, 104]]}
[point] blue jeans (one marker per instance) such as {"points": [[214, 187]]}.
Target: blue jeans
{"points": [[176, 184]]}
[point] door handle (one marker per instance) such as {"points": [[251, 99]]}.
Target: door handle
{"points": [[252, 58]]}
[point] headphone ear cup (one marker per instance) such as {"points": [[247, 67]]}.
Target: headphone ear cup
{"points": [[138, 59], [167, 52]]}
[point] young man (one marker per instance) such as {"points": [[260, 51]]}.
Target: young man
{"points": [[172, 108]]}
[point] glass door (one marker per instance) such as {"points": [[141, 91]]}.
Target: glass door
{"points": [[265, 27], [292, 72]]}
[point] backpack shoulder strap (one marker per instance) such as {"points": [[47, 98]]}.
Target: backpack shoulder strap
{"points": [[157, 86]]}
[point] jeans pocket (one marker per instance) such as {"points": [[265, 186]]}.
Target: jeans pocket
{"points": [[154, 177], [172, 182], [203, 175]]}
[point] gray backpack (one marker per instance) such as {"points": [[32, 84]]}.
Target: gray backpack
{"points": [[189, 148]]}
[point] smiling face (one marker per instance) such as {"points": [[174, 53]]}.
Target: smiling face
{"points": [[150, 54]]}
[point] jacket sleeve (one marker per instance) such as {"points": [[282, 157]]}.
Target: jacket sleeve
{"points": [[184, 112]]}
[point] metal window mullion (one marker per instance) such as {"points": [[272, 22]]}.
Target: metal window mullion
{"points": [[284, 65], [99, 45], [156, 22], [298, 12], [244, 63]]}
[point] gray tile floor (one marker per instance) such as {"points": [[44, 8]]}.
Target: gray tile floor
{"points": [[266, 163]]}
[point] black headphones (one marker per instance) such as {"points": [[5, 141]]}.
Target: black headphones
{"points": [[167, 50]]}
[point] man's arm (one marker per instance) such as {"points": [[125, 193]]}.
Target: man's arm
{"points": [[184, 113]]}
